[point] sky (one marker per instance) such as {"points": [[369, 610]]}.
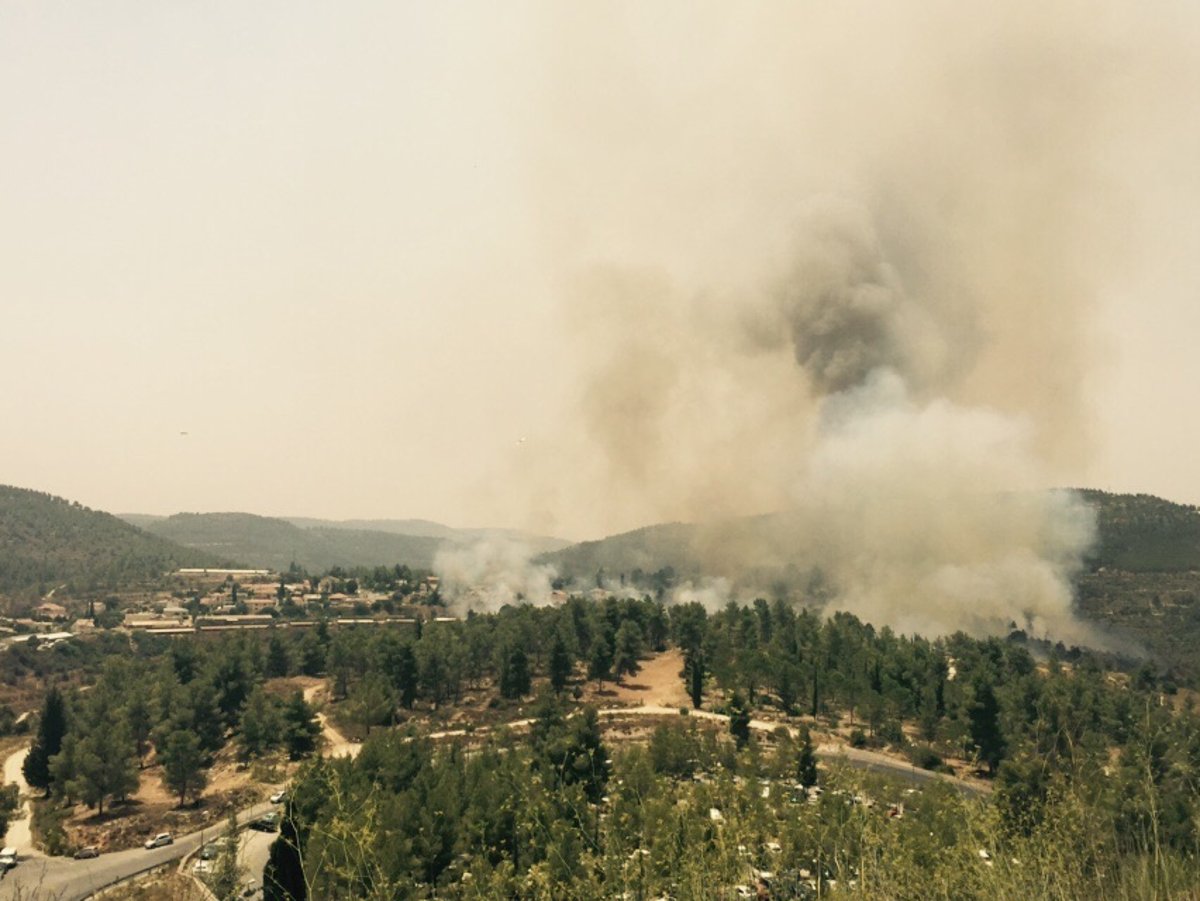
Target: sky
{"points": [[480, 262]]}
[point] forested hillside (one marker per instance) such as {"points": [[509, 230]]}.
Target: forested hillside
{"points": [[261, 541], [1141, 533], [46, 541], [537, 544]]}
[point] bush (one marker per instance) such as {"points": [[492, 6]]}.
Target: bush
{"points": [[47, 825], [858, 739], [924, 757]]}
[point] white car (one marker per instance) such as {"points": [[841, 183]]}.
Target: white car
{"points": [[163, 838], [8, 858], [278, 797], [201, 867]]}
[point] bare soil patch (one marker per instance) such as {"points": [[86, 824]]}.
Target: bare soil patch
{"points": [[658, 682]]}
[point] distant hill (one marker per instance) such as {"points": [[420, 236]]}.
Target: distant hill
{"points": [[276, 543], [423, 527], [1144, 575], [319, 544], [46, 541], [1142, 533]]}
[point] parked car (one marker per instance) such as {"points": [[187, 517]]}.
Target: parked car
{"points": [[163, 838], [266, 823], [201, 867], [86, 852], [8, 858], [279, 797]]}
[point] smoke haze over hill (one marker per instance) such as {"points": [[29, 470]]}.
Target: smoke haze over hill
{"points": [[882, 325]]}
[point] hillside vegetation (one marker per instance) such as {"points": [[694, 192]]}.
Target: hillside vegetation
{"points": [[1142, 533], [46, 541], [261, 541], [427, 528], [1141, 580]]}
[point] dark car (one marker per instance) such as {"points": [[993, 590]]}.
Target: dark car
{"points": [[266, 823], [87, 852]]}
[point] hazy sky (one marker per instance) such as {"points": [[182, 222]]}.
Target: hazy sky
{"points": [[324, 258]]}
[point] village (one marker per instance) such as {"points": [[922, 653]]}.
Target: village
{"points": [[224, 600]]}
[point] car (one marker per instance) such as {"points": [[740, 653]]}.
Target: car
{"points": [[160, 840], [279, 797], [201, 867], [250, 889], [266, 823], [8, 858], [86, 852]]}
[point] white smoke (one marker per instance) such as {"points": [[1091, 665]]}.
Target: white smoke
{"points": [[492, 572], [922, 516], [712, 594]]}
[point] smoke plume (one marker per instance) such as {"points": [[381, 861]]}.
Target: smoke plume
{"points": [[839, 264]]}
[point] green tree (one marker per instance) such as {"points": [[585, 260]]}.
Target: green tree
{"points": [[515, 680], [183, 765], [10, 802], [225, 880], [300, 727], [52, 728], [600, 663], [628, 649], [402, 669], [694, 673], [806, 760], [279, 661], [986, 732], [259, 728], [739, 719], [571, 750], [373, 701], [561, 664], [104, 765]]}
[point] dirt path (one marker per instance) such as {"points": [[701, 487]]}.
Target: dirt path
{"points": [[19, 835], [337, 745]]}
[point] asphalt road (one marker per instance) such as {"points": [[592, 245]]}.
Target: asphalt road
{"points": [[64, 879]]}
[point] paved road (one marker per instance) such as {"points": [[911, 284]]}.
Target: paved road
{"points": [[18, 835], [64, 879]]}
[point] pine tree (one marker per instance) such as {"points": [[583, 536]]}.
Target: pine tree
{"points": [[515, 681], [104, 765], [600, 664], [561, 665], [628, 649], [300, 727], [806, 760], [226, 877], [739, 720], [183, 765], [694, 673], [985, 726], [278, 660], [259, 729], [52, 729], [405, 675]]}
